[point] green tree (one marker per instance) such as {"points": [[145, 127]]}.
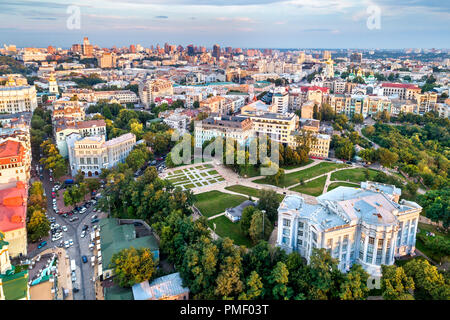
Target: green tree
{"points": [[269, 201], [354, 286], [246, 218], [358, 118], [254, 287], [260, 230], [429, 283], [133, 266], [395, 284], [387, 158], [38, 226], [436, 205], [279, 279]]}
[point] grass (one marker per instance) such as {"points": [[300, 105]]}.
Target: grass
{"points": [[249, 191], [250, 172], [189, 186], [297, 166], [208, 166], [295, 177], [334, 185], [226, 228], [433, 255], [213, 172], [215, 202], [353, 175], [313, 187]]}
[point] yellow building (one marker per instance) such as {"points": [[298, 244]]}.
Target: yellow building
{"points": [[217, 104], [16, 99], [275, 125]]}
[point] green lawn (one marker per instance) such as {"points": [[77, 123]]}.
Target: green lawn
{"points": [[433, 255], [334, 185], [313, 187], [226, 228], [353, 175], [311, 172], [250, 172], [297, 166], [212, 172], [248, 191], [215, 202]]}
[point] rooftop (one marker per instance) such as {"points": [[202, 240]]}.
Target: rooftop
{"points": [[167, 286]]}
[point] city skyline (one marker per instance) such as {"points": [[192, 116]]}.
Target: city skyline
{"points": [[249, 24]]}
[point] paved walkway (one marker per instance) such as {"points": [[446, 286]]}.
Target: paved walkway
{"points": [[216, 216]]}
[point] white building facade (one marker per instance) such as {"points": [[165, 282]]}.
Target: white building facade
{"points": [[366, 225]]}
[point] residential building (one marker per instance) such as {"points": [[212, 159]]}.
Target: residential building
{"points": [[13, 213], [404, 91], [92, 154], [177, 122], [235, 127], [65, 109], [107, 60], [13, 163], [150, 89], [280, 99], [16, 99], [366, 225], [168, 287], [83, 128], [275, 125], [217, 104]]}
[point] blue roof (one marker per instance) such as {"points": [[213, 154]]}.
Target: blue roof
{"points": [[167, 286]]}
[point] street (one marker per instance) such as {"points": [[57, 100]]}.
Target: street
{"points": [[84, 271]]}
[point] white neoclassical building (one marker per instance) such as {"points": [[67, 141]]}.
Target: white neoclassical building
{"points": [[16, 99], [366, 225]]}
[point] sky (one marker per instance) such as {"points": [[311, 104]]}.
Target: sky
{"points": [[366, 24]]}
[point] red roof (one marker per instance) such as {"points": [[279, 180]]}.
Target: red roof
{"points": [[10, 149], [323, 89], [13, 208], [400, 85]]}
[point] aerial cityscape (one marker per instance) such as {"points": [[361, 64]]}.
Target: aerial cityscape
{"points": [[188, 163]]}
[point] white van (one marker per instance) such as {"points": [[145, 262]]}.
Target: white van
{"points": [[73, 266]]}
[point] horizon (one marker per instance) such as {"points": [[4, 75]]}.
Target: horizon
{"points": [[264, 24]]}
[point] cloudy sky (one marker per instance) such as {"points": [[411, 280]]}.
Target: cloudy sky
{"points": [[236, 23]]}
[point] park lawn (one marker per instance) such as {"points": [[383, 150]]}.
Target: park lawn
{"points": [[249, 191], [313, 187], [215, 202], [208, 166], [306, 174], [297, 166], [353, 175], [226, 228], [334, 185], [189, 186], [180, 179], [213, 172], [433, 255], [250, 172]]}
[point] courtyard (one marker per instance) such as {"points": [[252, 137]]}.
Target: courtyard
{"points": [[195, 177]]}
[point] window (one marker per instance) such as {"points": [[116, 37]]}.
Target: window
{"points": [[300, 225], [286, 223]]}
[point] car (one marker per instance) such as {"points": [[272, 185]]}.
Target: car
{"points": [[85, 227], [71, 242], [61, 244], [75, 290], [65, 215], [95, 210], [83, 210], [42, 244], [84, 258], [137, 224], [83, 234], [94, 217], [66, 244], [94, 220], [51, 179], [64, 228], [349, 162]]}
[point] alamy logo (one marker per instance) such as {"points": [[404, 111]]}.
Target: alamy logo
{"points": [[374, 282], [74, 19], [374, 19]]}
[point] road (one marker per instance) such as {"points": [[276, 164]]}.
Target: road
{"points": [[84, 271]]}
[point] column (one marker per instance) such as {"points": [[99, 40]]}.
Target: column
{"points": [[366, 244], [375, 248], [383, 257]]}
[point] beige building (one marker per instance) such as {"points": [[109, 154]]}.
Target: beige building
{"points": [[83, 128], [92, 154], [275, 125], [67, 110], [217, 104], [150, 89], [16, 99], [107, 60]]}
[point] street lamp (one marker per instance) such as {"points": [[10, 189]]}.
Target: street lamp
{"points": [[263, 215]]}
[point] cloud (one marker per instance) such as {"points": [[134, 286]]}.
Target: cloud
{"points": [[162, 17]]}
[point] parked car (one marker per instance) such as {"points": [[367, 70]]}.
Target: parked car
{"points": [[66, 244], [42, 244], [64, 228], [71, 242], [83, 234], [84, 258], [94, 220], [83, 210]]}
